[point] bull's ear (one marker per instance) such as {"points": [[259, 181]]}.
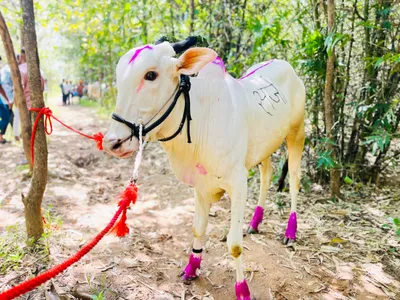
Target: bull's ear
{"points": [[194, 59]]}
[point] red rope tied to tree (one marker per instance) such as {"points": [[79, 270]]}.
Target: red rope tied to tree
{"points": [[48, 127], [127, 197]]}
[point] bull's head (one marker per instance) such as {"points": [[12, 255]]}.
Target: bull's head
{"points": [[147, 76]]}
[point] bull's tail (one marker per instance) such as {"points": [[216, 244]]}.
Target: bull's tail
{"points": [[281, 183]]}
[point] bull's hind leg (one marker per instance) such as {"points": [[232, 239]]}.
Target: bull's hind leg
{"points": [[202, 209], [295, 144], [265, 177]]}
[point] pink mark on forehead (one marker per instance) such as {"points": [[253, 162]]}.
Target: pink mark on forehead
{"points": [[140, 86], [201, 169], [218, 61], [137, 52]]}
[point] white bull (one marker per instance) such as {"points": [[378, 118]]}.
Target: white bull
{"points": [[237, 124]]}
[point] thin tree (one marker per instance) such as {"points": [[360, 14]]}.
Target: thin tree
{"points": [[191, 27], [329, 79], [33, 201], [19, 97]]}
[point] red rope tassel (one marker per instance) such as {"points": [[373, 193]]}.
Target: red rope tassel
{"points": [[127, 197], [98, 137]]}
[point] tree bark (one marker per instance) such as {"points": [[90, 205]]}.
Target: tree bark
{"points": [[19, 97], [329, 113], [33, 201], [191, 28]]}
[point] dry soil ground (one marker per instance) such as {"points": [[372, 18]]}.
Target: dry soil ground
{"points": [[342, 250]]}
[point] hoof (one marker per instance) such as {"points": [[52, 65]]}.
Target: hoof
{"points": [[187, 279], [252, 230], [289, 242]]}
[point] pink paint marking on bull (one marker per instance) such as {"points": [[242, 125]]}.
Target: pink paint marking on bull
{"points": [[140, 86], [218, 61], [191, 268], [137, 52], [201, 169], [242, 290], [291, 227], [257, 217], [252, 72]]}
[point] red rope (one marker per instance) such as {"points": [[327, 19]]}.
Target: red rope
{"points": [[127, 197], [98, 137], [53, 272]]}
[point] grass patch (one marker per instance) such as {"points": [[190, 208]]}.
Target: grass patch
{"points": [[12, 251], [86, 102], [22, 168], [16, 251], [104, 112]]}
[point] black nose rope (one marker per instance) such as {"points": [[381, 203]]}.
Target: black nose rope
{"points": [[184, 87]]}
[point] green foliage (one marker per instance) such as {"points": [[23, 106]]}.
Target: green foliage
{"points": [[86, 102], [279, 201], [52, 222], [333, 39], [22, 168], [12, 251], [94, 35], [252, 172], [348, 180], [394, 223], [325, 160], [306, 183], [99, 296]]}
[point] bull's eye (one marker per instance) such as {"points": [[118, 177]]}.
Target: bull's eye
{"points": [[151, 75]]}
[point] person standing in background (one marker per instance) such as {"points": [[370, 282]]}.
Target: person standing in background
{"points": [[71, 90], [68, 88], [5, 108], [5, 75], [79, 89], [62, 87], [23, 69]]}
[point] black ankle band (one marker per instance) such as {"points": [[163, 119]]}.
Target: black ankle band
{"points": [[197, 251]]}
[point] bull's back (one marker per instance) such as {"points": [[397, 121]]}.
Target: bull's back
{"points": [[276, 99]]}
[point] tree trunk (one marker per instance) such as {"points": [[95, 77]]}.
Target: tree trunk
{"points": [[347, 78], [33, 201], [191, 28], [329, 113], [19, 97]]}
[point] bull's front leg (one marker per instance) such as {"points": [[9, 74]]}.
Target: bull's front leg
{"points": [[238, 196], [202, 209]]}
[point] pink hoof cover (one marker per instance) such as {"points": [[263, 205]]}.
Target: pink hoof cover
{"points": [[257, 217], [242, 290], [292, 226], [193, 265]]}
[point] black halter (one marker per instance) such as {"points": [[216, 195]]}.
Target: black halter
{"points": [[184, 87]]}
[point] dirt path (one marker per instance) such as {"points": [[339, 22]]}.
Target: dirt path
{"points": [[82, 188]]}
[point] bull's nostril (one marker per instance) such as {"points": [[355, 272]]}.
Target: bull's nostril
{"points": [[117, 145]]}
